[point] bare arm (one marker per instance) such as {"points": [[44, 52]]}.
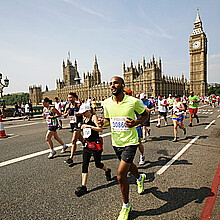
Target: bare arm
{"points": [[144, 117], [96, 121], [56, 112]]}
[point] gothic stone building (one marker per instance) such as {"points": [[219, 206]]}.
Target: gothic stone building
{"points": [[145, 77]]}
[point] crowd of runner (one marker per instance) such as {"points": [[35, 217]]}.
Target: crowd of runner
{"points": [[129, 119]]}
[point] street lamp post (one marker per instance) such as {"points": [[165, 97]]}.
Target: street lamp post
{"points": [[2, 86]]}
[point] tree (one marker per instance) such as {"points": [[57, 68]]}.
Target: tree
{"points": [[11, 99], [214, 90]]}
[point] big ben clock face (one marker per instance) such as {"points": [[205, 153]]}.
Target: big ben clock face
{"points": [[196, 44]]}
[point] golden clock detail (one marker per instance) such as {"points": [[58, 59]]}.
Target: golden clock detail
{"points": [[196, 44]]}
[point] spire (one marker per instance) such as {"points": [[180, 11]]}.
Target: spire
{"points": [[96, 60], [197, 17]]}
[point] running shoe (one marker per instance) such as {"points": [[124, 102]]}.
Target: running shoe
{"points": [[69, 161], [51, 154], [175, 139], [141, 184], [190, 125], [124, 213], [148, 132], [142, 160], [184, 131], [64, 149], [80, 191], [108, 175], [158, 125], [144, 140], [166, 124]]}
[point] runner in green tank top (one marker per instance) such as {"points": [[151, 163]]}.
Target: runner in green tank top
{"points": [[119, 112]]}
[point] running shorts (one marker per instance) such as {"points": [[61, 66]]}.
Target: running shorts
{"points": [[163, 114], [193, 110], [74, 126], [146, 123], [179, 118], [52, 128], [139, 130], [126, 153], [185, 105]]}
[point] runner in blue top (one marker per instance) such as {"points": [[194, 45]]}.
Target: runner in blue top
{"points": [[51, 114], [149, 105]]}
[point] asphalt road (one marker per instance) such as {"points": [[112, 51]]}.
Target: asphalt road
{"points": [[39, 188]]}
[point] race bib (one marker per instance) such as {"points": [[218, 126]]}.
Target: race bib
{"points": [[118, 124], [191, 102], [87, 132], [48, 120], [72, 119]]}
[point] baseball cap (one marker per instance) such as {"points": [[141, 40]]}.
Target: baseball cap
{"points": [[84, 107], [142, 96]]}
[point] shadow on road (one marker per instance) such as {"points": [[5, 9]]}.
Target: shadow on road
{"points": [[131, 180], [162, 161], [175, 198], [195, 125]]}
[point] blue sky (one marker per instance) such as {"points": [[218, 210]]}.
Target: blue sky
{"points": [[36, 36]]}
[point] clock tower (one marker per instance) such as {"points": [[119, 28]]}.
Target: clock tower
{"points": [[198, 58]]}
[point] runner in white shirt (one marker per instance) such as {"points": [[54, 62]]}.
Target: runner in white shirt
{"points": [[162, 110], [58, 106]]}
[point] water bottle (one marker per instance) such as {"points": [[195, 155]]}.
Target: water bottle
{"points": [[98, 144]]}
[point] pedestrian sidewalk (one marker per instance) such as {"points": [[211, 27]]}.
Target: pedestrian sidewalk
{"points": [[19, 118]]}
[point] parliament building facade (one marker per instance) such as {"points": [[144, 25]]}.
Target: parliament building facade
{"points": [[146, 77]]}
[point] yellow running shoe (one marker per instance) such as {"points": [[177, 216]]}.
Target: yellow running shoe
{"points": [[124, 213], [141, 184]]}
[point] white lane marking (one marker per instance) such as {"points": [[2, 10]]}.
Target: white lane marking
{"points": [[166, 166], [5, 163], [13, 136], [106, 134], [23, 125], [211, 113], [210, 124]]}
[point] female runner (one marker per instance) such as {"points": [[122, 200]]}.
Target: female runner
{"points": [[51, 114], [178, 110], [91, 137]]}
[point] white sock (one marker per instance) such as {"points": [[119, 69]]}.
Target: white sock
{"points": [[126, 205], [52, 150], [140, 178], [144, 137]]}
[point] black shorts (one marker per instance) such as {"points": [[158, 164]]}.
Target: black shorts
{"points": [[52, 128], [126, 153], [163, 114], [185, 105], [146, 123], [74, 127]]}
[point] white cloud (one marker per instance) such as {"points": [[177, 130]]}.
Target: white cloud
{"points": [[214, 56], [149, 32], [85, 9]]}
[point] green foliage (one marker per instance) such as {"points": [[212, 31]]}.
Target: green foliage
{"points": [[10, 99], [214, 90]]}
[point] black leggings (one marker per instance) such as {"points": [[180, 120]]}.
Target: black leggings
{"points": [[87, 153]]}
